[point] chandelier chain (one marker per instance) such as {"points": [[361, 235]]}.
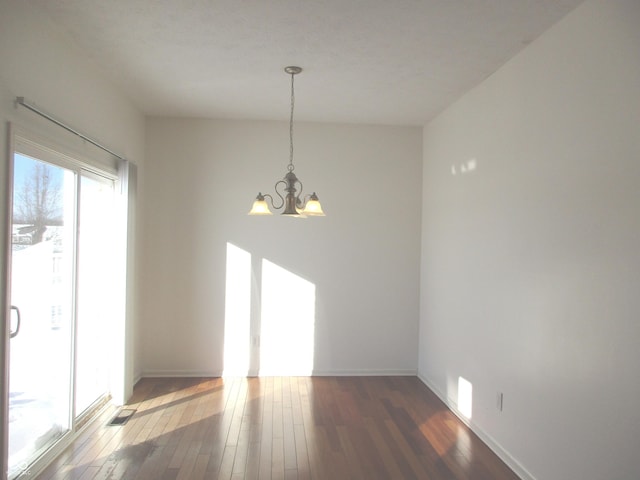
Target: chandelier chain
{"points": [[290, 167]]}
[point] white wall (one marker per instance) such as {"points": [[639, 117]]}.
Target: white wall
{"points": [[530, 262], [363, 257], [38, 61]]}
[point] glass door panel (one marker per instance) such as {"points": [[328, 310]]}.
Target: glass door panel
{"points": [[95, 281], [42, 271]]}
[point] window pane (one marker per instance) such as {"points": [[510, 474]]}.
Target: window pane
{"points": [[95, 284], [42, 253]]}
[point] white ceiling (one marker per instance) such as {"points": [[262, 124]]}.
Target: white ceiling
{"points": [[365, 61]]}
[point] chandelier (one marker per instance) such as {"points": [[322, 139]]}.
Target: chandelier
{"points": [[291, 199]]}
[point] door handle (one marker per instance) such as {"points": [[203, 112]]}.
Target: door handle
{"points": [[14, 333]]}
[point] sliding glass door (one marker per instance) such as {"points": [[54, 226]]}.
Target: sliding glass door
{"points": [[61, 289], [42, 305]]}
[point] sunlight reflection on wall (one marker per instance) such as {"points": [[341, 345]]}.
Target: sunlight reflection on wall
{"points": [[287, 322], [237, 312], [464, 168], [287, 319], [465, 397]]}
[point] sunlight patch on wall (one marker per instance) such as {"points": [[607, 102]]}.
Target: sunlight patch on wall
{"points": [[287, 322], [465, 397], [237, 315], [464, 168]]}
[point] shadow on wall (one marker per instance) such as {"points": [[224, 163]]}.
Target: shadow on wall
{"points": [[280, 341]]}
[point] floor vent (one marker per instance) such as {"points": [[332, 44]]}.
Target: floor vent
{"points": [[122, 417]]}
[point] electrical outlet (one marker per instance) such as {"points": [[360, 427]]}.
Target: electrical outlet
{"points": [[499, 399]]}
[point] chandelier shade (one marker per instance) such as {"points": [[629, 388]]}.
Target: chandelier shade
{"points": [[292, 202], [313, 207], [260, 206]]}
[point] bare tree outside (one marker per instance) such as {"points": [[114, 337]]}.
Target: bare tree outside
{"points": [[38, 201]]}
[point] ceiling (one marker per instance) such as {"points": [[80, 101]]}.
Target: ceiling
{"points": [[395, 62]]}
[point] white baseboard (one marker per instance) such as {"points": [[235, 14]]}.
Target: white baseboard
{"points": [[180, 373], [315, 373], [487, 439], [364, 373]]}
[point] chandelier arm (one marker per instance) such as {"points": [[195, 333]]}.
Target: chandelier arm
{"points": [[305, 199], [267, 195], [299, 197], [278, 193]]}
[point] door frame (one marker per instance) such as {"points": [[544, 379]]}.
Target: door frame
{"points": [[79, 164]]}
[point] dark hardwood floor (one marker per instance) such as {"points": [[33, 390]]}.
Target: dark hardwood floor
{"points": [[281, 428]]}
